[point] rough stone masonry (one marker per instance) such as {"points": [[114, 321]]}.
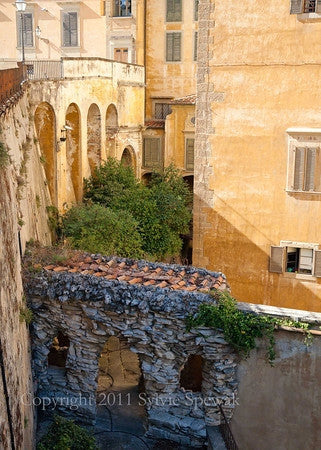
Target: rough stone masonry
{"points": [[106, 297]]}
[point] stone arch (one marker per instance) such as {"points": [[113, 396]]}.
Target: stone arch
{"points": [[111, 129], [93, 136], [73, 154], [45, 123], [128, 158]]}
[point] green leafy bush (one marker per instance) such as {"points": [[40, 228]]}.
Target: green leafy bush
{"points": [[97, 229], [64, 434], [162, 210], [240, 328]]}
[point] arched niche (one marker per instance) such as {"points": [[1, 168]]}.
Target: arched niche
{"points": [[73, 154], [93, 137], [146, 178], [191, 376], [111, 129], [45, 124]]}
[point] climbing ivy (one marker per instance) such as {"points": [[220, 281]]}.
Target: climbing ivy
{"points": [[241, 329]]}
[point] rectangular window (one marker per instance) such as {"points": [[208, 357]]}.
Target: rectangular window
{"points": [[122, 8], [189, 154], [195, 45], [174, 11], [305, 6], [121, 54], [70, 29], [302, 259], [196, 2], [152, 156], [162, 110], [26, 22], [173, 46]]}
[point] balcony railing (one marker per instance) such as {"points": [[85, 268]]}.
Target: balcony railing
{"points": [[10, 82], [44, 69], [226, 432]]}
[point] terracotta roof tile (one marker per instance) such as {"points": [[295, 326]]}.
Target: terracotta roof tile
{"points": [[147, 274], [156, 123], [187, 100]]}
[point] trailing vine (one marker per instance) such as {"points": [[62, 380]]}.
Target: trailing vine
{"points": [[241, 329]]}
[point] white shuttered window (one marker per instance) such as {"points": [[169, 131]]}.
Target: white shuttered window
{"points": [[70, 29], [27, 23], [173, 46]]}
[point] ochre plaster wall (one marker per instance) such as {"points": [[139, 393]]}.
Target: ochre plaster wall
{"points": [[261, 77], [169, 79]]}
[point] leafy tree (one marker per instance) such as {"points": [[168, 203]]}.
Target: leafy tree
{"points": [[97, 229], [162, 210]]}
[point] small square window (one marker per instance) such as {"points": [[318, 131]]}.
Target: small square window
{"points": [[162, 110], [122, 8], [299, 260]]}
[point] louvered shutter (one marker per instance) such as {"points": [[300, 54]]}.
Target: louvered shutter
{"points": [[174, 11], [147, 155], [195, 45], [70, 29], [189, 162], [299, 168], [276, 259], [155, 152], [318, 6], [176, 47], [310, 169], [169, 47], [196, 2], [27, 30], [317, 263], [296, 6]]}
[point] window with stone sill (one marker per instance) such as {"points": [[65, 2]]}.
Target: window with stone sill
{"points": [[297, 258], [305, 6]]}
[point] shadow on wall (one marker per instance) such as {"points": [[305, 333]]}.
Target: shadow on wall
{"points": [[280, 407], [223, 247]]}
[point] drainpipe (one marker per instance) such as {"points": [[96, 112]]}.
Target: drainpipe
{"points": [[6, 394], [145, 15]]}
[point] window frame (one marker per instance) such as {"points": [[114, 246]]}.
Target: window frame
{"points": [[163, 105], [173, 33], [117, 6]]}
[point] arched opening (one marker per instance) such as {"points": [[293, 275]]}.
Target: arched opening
{"points": [[120, 385], [93, 137], [192, 374], [128, 158], [187, 247], [73, 156], [111, 130], [58, 353], [45, 123], [146, 178]]}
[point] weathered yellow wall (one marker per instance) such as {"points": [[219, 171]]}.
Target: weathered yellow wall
{"points": [[264, 77], [47, 15], [177, 128], [23, 200], [169, 79]]}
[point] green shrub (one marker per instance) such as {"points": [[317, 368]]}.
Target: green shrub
{"points": [[162, 210], [97, 229], [64, 434]]}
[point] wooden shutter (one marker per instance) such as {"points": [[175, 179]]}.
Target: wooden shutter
{"points": [[318, 6], [296, 6], [299, 168], [195, 45], [152, 153], [276, 259], [317, 263], [174, 11], [169, 46], [196, 2], [310, 169], [189, 154], [27, 30], [176, 47], [70, 29]]}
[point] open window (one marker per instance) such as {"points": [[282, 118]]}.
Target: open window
{"points": [[296, 257], [305, 6], [58, 351]]}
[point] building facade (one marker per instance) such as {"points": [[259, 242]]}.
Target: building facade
{"points": [[258, 141]]}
